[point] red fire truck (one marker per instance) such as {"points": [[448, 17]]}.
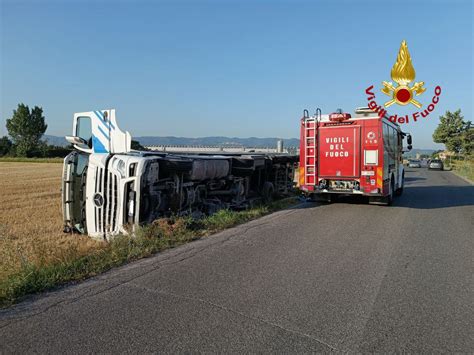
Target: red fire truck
{"points": [[345, 154]]}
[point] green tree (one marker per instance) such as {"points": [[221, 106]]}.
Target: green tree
{"points": [[468, 140], [451, 131], [26, 128], [5, 146], [137, 146], [435, 155]]}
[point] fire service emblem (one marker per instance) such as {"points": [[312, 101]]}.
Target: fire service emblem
{"points": [[402, 93], [403, 74]]}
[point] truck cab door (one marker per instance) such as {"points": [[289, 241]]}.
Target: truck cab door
{"points": [[98, 132], [93, 134]]}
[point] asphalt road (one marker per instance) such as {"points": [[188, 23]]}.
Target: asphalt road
{"points": [[342, 277]]}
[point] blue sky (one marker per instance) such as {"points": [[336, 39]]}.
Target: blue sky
{"points": [[234, 68]]}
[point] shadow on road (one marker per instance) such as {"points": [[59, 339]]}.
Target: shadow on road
{"points": [[303, 205], [419, 197], [429, 197], [352, 200], [413, 178]]}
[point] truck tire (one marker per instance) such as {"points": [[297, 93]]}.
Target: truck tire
{"points": [[399, 191], [389, 198]]}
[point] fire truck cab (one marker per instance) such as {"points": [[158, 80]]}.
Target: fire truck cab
{"points": [[345, 154]]}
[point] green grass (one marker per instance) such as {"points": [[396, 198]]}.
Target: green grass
{"points": [[464, 168], [30, 160], [160, 235]]}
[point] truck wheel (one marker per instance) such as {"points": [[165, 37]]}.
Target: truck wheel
{"points": [[399, 191], [389, 198]]}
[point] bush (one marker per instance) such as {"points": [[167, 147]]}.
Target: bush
{"points": [[43, 150], [56, 152], [464, 167], [5, 146]]}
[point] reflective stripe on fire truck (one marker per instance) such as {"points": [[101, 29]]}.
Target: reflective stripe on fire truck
{"points": [[379, 177], [301, 177]]}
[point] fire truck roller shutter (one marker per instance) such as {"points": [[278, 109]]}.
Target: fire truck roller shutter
{"points": [[339, 151]]}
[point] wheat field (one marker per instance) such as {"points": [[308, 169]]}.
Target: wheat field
{"points": [[31, 219]]}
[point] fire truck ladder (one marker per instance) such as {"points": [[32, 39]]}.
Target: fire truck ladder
{"points": [[311, 145]]}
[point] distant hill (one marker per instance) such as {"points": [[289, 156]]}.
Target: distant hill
{"points": [[217, 141], [253, 142]]}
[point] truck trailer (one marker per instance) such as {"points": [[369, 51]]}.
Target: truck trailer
{"points": [[108, 188], [341, 154]]}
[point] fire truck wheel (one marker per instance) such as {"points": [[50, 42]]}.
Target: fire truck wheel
{"points": [[399, 191], [389, 198]]}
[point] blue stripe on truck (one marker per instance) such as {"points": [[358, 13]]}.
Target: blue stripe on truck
{"points": [[105, 134], [101, 118], [98, 146]]}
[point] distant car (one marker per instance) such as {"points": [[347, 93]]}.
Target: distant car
{"points": [[436, 164], [414, 164]]}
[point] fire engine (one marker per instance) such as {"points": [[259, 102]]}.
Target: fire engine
{"points": [[341, 154]]}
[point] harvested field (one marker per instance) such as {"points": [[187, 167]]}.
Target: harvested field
{"points": [[31, 219]]}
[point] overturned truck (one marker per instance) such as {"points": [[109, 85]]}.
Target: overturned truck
{"points": [[108, 188]]}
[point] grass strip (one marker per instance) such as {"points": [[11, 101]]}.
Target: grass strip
{"points": [[162, 234], [464, 168]]}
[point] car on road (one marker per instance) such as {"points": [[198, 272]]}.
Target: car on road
{"points": [[436, 164], [414, 163]]}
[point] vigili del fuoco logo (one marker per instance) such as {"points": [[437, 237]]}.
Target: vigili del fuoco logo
{"points": [[401, 93]]}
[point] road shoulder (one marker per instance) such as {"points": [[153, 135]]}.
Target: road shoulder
{"points": [[461, 177]]}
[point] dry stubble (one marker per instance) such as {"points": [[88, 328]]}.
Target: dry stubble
{"points": [[31, 221]]}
